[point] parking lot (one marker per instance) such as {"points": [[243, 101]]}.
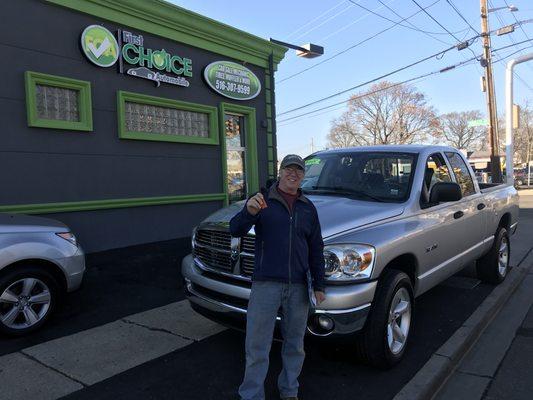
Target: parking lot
{"points": [[129, 334]]}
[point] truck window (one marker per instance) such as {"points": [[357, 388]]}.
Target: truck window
{"points": [[462, 175], [436, 171], [370, 176]]}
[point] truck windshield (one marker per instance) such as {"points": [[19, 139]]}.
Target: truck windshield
{"points": [[370, 176]]}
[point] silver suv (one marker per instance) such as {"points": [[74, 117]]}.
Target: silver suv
{"points": [[40, 260]]}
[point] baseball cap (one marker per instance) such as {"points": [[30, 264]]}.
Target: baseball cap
{"points": [[292, 159]]}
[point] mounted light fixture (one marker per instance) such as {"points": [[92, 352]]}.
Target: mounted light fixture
{"points": [[308, 50]]}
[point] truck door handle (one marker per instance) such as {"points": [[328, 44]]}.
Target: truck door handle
{"points": [[481, 206], [458, 214]]}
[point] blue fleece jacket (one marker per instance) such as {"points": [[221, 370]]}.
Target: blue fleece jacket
{"points": [[288, 245]]}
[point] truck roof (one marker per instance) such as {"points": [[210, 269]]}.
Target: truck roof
{"points": [[403, 148]]}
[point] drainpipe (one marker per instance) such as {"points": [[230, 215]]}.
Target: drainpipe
{"points": [[509, 145]]}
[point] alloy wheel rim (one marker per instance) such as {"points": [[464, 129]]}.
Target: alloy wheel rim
{"points": [[399, 321], [24, 303], [503, 257]]}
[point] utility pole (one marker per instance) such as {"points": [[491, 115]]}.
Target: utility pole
{"points": [[312, 146], [486, 62]]}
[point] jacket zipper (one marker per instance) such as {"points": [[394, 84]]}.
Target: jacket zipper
{"points": [[262, 255]]}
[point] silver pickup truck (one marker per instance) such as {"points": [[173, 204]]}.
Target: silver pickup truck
{"points": [[396, 221]]}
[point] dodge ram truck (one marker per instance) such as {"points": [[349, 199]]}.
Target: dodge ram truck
{"points": [[396, 221]]}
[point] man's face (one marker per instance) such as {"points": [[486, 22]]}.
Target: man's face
{"points": [[290, 178]]}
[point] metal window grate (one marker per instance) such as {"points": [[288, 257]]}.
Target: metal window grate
{"points": [[165, 120], [57, 103]]}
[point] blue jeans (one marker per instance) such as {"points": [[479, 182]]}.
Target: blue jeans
{"points": [[266, 299]]}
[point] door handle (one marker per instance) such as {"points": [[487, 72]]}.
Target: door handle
{"points": [[458, 214], [481, 206]]}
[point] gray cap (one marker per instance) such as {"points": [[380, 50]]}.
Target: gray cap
{"points": [[292, 159]]}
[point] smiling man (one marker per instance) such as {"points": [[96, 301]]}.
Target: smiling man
{"points": [[288, 258]]}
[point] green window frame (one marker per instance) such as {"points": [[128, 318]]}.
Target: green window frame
{"points": [[32, 79], [211, 111], [251, 162]]}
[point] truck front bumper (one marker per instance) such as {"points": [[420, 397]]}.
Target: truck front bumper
{"points": [[225, 299]]}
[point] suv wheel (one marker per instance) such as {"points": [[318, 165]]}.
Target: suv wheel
{"points": [[27, 298], [493, 267], [384, 338]]}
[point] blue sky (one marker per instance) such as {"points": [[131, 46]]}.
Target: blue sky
{"points": [[339, 24]]}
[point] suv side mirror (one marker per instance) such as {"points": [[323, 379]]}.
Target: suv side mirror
{"points": [[444, 192]]}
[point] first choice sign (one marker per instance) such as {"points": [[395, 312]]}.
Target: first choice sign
{"points": [[101, 48], [232, 80]]}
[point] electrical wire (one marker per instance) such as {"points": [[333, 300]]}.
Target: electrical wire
{"points": [[461, 15], [439, 24], [352, 46], [440, 53], [446, 69], [315, 19]]}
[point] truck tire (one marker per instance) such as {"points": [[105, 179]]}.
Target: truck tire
{"points": [[493, 266], [28, 296], [384, 338]]}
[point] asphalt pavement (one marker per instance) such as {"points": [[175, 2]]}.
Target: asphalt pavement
{"points": [[128, 335]]}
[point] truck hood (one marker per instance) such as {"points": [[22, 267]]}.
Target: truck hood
{"points": [[336, 214], [11, 223]]}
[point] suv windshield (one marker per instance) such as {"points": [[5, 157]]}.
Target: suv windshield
{"points": [[371, 176]]}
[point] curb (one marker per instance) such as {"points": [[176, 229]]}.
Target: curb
{"points": [[434, 374]]}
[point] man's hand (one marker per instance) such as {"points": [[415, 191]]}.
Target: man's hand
{"points": [[320, 297], [255, 204]]}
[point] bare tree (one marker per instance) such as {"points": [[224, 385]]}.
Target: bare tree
{"points": [[523, 138], [455, 131], [384, 115]]}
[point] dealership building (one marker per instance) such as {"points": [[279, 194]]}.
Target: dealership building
{"points": [[131, 120]]}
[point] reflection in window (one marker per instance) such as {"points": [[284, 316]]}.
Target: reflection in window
{"points": [[461, 174], [236, 156]]}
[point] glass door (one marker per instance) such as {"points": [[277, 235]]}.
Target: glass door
{"points": [[234, 126]]}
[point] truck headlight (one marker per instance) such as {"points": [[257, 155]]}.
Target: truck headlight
{"points": [[348, 262]]}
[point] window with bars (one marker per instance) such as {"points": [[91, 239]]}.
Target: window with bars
{"points": [[58, 102], [144, 117]]}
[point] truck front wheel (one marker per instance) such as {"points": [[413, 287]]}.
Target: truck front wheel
{"points": [[384, 338]]}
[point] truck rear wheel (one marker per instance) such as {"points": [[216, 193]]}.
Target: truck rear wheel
{"points": [[493, 266], [384, 338]]}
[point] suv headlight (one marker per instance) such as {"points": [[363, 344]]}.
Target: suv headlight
{"points": [[349, 262], [69, 237]]}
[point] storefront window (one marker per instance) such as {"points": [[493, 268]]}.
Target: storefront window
{"points": [[165, 120], [236, 156], [57, 103]]}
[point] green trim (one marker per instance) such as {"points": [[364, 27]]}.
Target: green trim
{"points": [[91, 205], [172, 22], [270, 154], [269, 139], [123, 97], [252, 167], [85, 106]]}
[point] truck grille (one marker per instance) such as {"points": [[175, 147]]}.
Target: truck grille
{"points": [[213, 249]]}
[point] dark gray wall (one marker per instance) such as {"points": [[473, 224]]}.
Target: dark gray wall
{"points": [[46, 165]]}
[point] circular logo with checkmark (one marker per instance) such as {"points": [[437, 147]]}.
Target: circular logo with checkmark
{"points": [[99, 46]]}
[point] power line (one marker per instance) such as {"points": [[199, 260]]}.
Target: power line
{"points": [[316, 18], [325, 38], [323, 22], [461, 15], [353, 46], [439, 54], [438, 23], [413, 27], [446, 69]]}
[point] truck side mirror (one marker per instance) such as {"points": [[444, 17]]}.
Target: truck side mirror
{"points": [[444, 192]]}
